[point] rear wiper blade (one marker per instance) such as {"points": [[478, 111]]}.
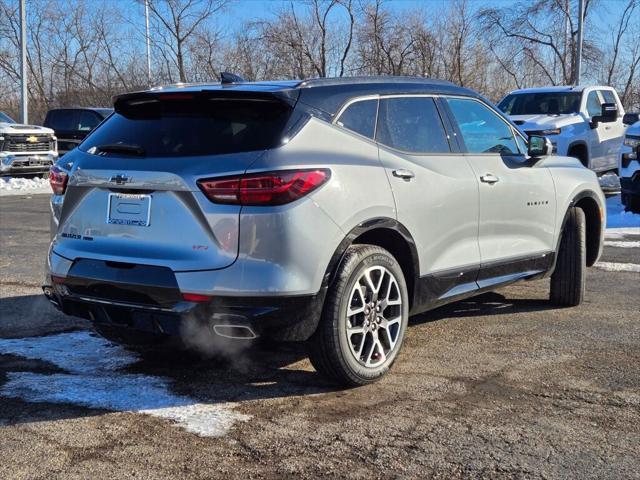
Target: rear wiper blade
{"points": [[127, 148]]}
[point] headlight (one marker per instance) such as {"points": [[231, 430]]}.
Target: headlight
{"points": [[632, 142]]}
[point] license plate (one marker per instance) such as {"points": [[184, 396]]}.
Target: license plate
{"points": [[129, 209]]}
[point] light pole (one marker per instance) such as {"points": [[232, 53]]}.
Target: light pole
{"points": [[580, 35], [24, 110], [146, 16]]}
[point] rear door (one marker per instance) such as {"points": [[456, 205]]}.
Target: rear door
{"points": [[516, 198], [435, 191], [133, 196]]}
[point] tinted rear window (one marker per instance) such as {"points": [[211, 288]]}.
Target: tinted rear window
{"points": [[180, 125]]}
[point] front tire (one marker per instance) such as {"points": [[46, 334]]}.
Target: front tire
{"points": [[364, 318], [568, 279]]}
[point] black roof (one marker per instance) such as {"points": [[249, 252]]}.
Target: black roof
{"points": [[325, 94]]}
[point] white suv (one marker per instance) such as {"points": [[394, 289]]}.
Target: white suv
{"points": [[581, 122]]}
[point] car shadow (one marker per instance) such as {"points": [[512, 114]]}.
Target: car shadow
{"points": [[29, 382]]}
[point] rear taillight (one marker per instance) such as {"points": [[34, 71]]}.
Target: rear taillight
{"points": [[268, 188], [58, 180], [196, 297]]}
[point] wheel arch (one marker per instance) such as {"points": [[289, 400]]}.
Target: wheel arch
{"points": [[587, 200], [580, 145], [386, 233]]}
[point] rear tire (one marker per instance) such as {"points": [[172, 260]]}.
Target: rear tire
{"points": [[568, 279], [364, 318]]}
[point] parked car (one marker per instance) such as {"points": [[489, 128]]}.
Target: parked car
{"points": [[630, 169], [25, 149], [72, 125], [581, 122], [324, 210]]}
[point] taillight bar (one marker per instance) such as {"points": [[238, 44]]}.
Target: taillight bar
{"points": [[58, 179], [265, 188]]}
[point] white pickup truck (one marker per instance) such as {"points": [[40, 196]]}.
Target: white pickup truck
{"points": [[25, 149], [582, 122]]}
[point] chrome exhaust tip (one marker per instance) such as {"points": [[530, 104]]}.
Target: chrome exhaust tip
{"points": [[235, 332]]}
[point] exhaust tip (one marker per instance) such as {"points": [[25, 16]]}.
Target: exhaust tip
{"points": [[235, 332]]}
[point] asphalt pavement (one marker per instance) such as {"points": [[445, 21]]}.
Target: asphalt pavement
{"points": [[499, 386]]}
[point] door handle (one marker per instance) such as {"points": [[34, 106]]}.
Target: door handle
{"points": [[404, 174], [489, 178]]}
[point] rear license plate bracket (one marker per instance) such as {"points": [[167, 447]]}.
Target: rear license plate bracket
{"points": [[129, 209]]}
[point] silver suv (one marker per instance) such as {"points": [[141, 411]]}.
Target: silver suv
{"points": [[326, 211]]}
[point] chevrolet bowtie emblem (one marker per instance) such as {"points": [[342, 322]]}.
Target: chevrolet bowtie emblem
{"points": [[120, 179], [32, 139]]}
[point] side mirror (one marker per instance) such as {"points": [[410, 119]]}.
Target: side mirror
{"points": [[609, 114], [630, 118], [539, 146]]}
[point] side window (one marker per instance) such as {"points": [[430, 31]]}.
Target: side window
{"points": [[360, 117], [411, 124], [87, 121], [608, 96], [594, 107], [483, 131], [522, 144]]}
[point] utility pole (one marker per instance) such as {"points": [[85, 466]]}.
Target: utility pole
{"points": [[146, 15], [580, 36], [24, 108]]}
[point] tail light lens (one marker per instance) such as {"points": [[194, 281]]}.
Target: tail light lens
{"points": [[58, 180], [268, 188], [196, 297]]}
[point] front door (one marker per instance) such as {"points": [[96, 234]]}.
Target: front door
{"points": [[517, 198]]}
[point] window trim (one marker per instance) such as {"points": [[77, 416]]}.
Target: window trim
{"points": [[458, 133]]}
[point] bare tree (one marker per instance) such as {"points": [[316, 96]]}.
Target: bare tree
{"points": [[175, 22]]}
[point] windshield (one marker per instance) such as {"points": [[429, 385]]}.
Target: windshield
{"points": [[6, 118], [542, 103], [177, 126]]}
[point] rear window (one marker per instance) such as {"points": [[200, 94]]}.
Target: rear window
{"points": [[186, 125]]}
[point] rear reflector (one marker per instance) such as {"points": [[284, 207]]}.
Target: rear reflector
{"points": [[268, 188], [58, 179], [57, 280], [195, 297]]}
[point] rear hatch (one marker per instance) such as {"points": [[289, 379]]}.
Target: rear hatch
{"points": [[133, 195]]}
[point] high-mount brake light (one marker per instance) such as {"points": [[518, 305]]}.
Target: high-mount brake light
{"points": [[176, 96], [266, 188], [58, 179]]}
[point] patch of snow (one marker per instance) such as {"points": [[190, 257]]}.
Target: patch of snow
{"points": [[621, 244], [93, 378], [618, 267], [617, 233], [20, 186], [617, 217]]}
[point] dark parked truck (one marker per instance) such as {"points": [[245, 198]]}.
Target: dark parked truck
{"points": [[25, 149], [72, 125]]}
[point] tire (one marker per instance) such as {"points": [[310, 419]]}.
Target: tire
{"points": [[568, 279], [366, 353]]}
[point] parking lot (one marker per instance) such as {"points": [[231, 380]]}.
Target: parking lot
{"points": [[501, 386]]}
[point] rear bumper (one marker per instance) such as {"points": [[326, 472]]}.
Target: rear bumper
{"points": [[117, 306]]}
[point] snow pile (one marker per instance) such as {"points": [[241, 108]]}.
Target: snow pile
{"points": [[20, 186], [618, 267], [94, 378]]}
